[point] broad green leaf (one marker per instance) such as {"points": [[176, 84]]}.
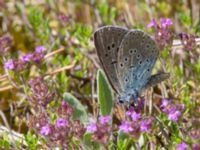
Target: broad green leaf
{"points": [[104, 94], [79, 110], [87, 139], [122, 141]]}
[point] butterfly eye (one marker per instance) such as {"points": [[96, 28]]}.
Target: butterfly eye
{"points": [[140, 62], [138, 56]]}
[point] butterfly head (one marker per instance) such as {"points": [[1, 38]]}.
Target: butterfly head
{"points": [[128, 97]]}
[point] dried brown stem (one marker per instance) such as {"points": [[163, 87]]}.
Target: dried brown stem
{"points": [[54, 52]]}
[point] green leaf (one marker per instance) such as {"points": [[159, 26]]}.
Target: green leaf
{"points": [[104, 94], [122, 142], [79, 110], [4, 144], [31, 140], [87, 139]]}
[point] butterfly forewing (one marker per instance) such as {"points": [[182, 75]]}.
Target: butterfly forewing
{"points": [[107, 41], [136, 58]]}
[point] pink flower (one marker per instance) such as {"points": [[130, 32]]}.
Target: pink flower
{"points": [[165, 22], [163, 35], [172, 110], [45, 130], [130, 111], [182, 146], [126, 127], [153, 23], [188, 41], [165, 102], [9, 64], [196, 146], [92, 128], [105, 119], [135, 116], [174, 116], [146, 125], [40, 49], [26, 58], [62, 122]]}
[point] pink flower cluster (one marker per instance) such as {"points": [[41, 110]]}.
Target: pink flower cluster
{"points": [[185, 146], [61, 131], [41, 94], [188, 41], [101, 130], [135, 124], [173, 110], [163, 35], [23, 62]]}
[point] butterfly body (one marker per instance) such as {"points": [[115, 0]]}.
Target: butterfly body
{"points": [[127, 57]]}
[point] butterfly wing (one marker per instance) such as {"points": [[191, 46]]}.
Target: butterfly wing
{"points": [[136, 58], [107, 40]]}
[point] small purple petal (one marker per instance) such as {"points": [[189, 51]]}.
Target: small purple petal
{"points": [[45, 130], [9, 64], [153, 23], [63, 17], [146, 125], [92, 128], [126, 127], [174, 116], [26, 58], [130, 111], [64, 104], [165, 102], [105, 119], [62, 122], [182, 146], [40, 49], [196, 146], [135, 116], [165, 22], [38, 57]]}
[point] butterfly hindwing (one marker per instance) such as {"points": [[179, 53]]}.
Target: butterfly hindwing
{"points": [[136, 58]]}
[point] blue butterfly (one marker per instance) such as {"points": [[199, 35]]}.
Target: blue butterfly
{"points": [[127, 57]]}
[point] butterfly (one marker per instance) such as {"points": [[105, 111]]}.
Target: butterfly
{"points": [[127, 58]]}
